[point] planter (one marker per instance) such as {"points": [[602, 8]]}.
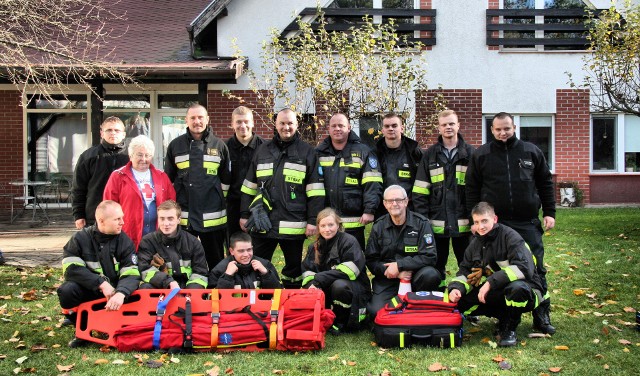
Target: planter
{"points": [[567, 197]]}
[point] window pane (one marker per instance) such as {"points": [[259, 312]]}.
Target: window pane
{"points": [[172, 127], [185, 101], [71, 102], [397, 4], [519, 4], [351, 4], [564, 4], [126, 101], [369, 130], [631, 133], [539, 136], [604, 149], [487, 123], [135, 123]]}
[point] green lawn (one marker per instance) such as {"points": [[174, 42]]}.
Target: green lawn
{"points": [[592, 258]]}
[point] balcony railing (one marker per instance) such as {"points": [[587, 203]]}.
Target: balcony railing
{"points": [[528, 28], [342, 19]]}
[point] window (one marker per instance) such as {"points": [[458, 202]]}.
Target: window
{"points": [[535, 129], [615, 143]]}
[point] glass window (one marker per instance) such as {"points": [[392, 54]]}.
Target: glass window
{"points": [[604, 143], [632, 143], [537, 130], [59, 102], [369, 128], [126, 101], [169, 101], [172, 127]]}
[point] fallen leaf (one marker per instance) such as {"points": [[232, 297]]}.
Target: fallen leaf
{"points": [[105, 349], [615, 328], [229, 371], [626, 350], [215, 371], [504, 365], [120, 361], [598, 314], [436, 367], [538, 335], [385, 373], [21, 359], [101, 361], [485, 340], [578, 292], [606, 366], [154, 363], [562, 347], [605, 330], [335, 357], [624, 342], [599, 356], [351, 363], [65, 368], [596, 341], [498, 359], [208, 363], [174, 360], [36, 348], [629, 309], [472, 366], [277, 372], [493, 345], [555, 369]]}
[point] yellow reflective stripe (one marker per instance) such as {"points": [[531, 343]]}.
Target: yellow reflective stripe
{"points": [[369, 177], [292, 279], [315, 189], [184, 218], [350, 269], [460, 177], [341, 304], [292, 228], [513, 303], [148, 274], [327, 161], [263, 173], [468, 312], [68, 261], [198, 279], [295, 166], [351, 181], [353, 164], [462, 279], [249, 191], [351, 222], [307, 279], [129, 270], [296, 174], [437, 175], [452, 340], [421, 187], [182, 161], [214, 219], [401, 339], [510, 274]]}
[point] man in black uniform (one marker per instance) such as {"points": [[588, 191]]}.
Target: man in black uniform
{"points": [[352, 179], [401, 246], [497, 276], [198, 165], [439, 192], [242, 145], [99, 261], [93, 169], [399, 157], [513, 176], [284, 181], [171, 258]]}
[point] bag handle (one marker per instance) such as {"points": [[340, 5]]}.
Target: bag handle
{"points": [[160, 310]]}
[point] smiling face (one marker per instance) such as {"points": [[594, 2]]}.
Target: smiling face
{"points": [[339, 129], [168, 221], [242, 126], [396, 201], [503, 129], [484, 222], [197, 121], [448, 126], [242, 252], [286, 124], [328, 227], [141, 159]]}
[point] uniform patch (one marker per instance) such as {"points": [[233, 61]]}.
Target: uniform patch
{"points": [[134, 259], [320, 171], [213, 152], [428, 238], [373, 162]]}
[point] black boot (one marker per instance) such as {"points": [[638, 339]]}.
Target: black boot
{"points": [[542, 319], [77, 342], [508, 336], [69, 320]]}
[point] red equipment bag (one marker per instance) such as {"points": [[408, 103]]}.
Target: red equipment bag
{"points": [[422, 317]]}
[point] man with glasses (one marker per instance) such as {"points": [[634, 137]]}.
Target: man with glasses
{"points": [[93, 169], [401, 246]]}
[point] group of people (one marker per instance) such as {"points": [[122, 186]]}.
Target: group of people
{"points": [[144, 228]]}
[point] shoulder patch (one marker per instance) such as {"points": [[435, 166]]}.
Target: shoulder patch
{"points": [[320, 171], [373, 162], [428, 239], [134, 259], [212, 152]]}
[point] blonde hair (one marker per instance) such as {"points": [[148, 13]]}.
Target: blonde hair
{"points": [[325, 213]]}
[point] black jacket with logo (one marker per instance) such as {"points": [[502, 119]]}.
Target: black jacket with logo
{"points": [[245, 277], [399, 166]]}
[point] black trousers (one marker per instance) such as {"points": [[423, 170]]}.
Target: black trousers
{"points": [[214, 244], [339, 297], [459, 245], [72, 295], [357, 233], [531, 231], [291, 275], [516, 296]]}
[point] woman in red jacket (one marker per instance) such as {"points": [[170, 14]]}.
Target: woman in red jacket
{"points": [[139, 188]]}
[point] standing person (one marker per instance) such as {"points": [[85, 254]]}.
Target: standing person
{"points": [[283, 194], [399, 156], [497, 276], [93, 169], [197, 163], [242, 146], [335, 264], [170, 257], [241, 269], [352, 179], [513, 176], [439, 191], [98, 261], [401, 246], [139, 188]]}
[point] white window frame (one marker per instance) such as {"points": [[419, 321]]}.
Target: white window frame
{"points": [[619, 133]]}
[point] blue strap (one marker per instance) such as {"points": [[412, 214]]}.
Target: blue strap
{"points": [[162, 306]]}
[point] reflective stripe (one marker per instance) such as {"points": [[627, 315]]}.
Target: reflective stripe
{"points": [[214, 219], [350, 269], [470, 310], [308, 273], [437, 175], [437, 226], [452, 340], [95, 265], [351, 181], [341, 304], [211, 158], [149, 273], [315, 189], [461, 174], [225, 187], [264, 169], [421, 187], [68, 261], [327, 161], [211, 163], [184, 218], [199, 279], [401, 339], [292, 279], [513, 303], [130, 270], [292, 228], [503, 264], [463, 225], [462, 279], [355, 163], [351, 222], [371, 177], [516, 271], [182, 161], [249, 188]]}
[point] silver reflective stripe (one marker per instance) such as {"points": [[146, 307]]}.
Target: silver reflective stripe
{"points": [[422, 184], [308, 274], [198, 276], [185, 263], [437, 223], [358, 160], [327, 159], [249, 184], [73, 260], [354, 268], [295, 166], [93, 265], [152, 269], [461, 168], [437, 171], [215, 215], [184, 214], [350, 219], [371, 174], [288, 224], [314, 186], [462, 222], [516, 271], [211, 158], [181, 158], [225, 187], [503, 264], [264, 166]]}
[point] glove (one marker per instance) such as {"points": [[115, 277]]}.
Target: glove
{"points": [[259, 219], [475, 277], [159, 263]]}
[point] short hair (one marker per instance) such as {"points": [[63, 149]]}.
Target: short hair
{"points": [[390, 115], [446, 113], [105, 205], [340, 113], [170, 204], [502, 115], [482, 208], [112, 119], [239, 237], [242, 110], [141, 141], [197, 105], [393, 187]]}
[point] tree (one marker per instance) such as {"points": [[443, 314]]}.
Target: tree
{"points": [[613, 68], [46, 45], [364, 71]]}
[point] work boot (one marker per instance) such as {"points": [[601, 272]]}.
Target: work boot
{"points": [[508, 328], [78, 342], [508, 338], [542, 319], [69, 320]]}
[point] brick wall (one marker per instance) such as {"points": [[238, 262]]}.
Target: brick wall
{"points": [[220, 107], [11, 147], [494, 4], [467, 103], [572, 138], [426, 4]]}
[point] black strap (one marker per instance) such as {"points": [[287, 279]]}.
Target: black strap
{"points": [[247, 310], [188, 332]]}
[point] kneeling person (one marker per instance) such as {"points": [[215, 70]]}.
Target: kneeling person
{"points": [[335, 263], [242, 270], [497, 277], [170, 257], [99, 261]]}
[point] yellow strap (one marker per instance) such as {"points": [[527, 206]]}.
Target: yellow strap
{"points": [[215, 309], [273, 329]]}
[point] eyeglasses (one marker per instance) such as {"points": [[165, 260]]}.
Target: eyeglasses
{"points": [[140, 156], [395, 200]]}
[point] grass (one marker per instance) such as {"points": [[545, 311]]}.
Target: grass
{"points": [[592, 259]]}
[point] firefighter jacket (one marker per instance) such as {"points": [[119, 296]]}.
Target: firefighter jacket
{"points": [[91, 257], [290, 174], [123, 188], [93, 169], [504, 257], [199, 170], [240, 157], [399, 166], [411, 245], [513, 177], [183, 258], [439, 191], [352, 179], [245, 277], [339, 258]]}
